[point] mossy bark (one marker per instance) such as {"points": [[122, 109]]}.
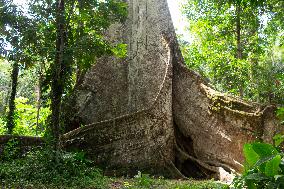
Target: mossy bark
{"points": [[12, 106]]}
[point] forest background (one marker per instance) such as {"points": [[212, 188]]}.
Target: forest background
{"points": [[47, 46], [238, 47]]}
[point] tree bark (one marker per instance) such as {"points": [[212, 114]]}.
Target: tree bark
{"points": [[10, 116], [160, 117], [57, 84], [38, 95], [79, 72], [239, 44]]}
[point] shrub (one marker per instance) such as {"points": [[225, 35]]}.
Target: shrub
{"points": [[264, 166], [11, 150], [2, 126], [37, 169], [26, 119]]}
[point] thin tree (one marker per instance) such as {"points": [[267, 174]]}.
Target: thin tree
{"points": [[14, 26], [10, 116], [58, 71], [68, 45]]}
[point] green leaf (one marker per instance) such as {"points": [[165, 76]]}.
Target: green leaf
{"points": [[264, 160], [257, 177], [261, 164], [280, 113], [120, 50], [250, 155], [272, 166], [277, 177], [264, 149], [278, 139], [250, 184]]}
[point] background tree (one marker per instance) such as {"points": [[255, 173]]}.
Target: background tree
{"points": [[82, 25], [232, 46], [69, 36], [4, 85], [15, 32]]}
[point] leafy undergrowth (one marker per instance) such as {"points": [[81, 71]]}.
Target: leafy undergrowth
{"points": [[38, 170], [102, 182], [145, 182]]}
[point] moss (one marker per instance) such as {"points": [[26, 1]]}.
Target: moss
{"points": [[220, 102]]}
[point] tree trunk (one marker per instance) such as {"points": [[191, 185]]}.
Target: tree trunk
{"points": [[239, 44], [80, 30], [152, 114], [12, 106], [57, 84], [38, 96]]}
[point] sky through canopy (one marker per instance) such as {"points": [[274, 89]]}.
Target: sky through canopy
{"points": [[174, 5]]}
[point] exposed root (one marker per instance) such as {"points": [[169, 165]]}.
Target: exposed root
{"points": [[198, 169], [175, 172]]}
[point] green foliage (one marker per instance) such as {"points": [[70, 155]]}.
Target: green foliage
{"points": [[37, 170], [144, 181], [11, 150], [26, 101], [280, 114], [251, 156], [71, 43], [26, 119], [278, 139], [249, 65], [4, 84], [29, 38], [199, 185], [264, 168], [85, 25], [120, 50], [272, 167], [2, 126]]}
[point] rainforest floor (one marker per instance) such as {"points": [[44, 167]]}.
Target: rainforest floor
{"points": [[38, 168]]}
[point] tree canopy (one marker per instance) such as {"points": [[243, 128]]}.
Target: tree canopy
{"points": [[238, 46], [60, 40]]}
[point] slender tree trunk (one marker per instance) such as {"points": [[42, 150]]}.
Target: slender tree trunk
{"points": [[253, 71], [79, 72], [38, 105], [38, 97], [6, 100], [10, 116], [57, 84], [239, 45]]}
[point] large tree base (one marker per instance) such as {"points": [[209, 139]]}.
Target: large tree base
{"points": [[148, 112]]}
